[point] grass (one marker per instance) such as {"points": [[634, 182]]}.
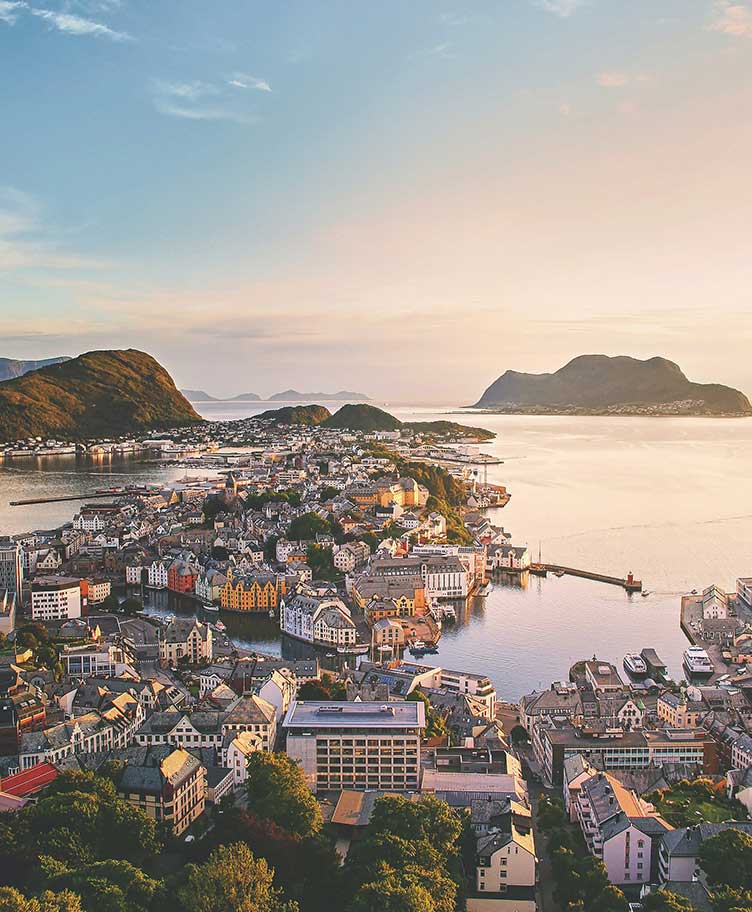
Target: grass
{"points": [[688, 803]]}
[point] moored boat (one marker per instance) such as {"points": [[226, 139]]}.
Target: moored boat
{"points": [[635, 666], [697, 662]]}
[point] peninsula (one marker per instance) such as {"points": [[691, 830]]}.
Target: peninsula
{"points": [[292, 395], [601, 385]]}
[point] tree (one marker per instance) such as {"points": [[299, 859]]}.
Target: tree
{"points": [[232, 880], [277, 790], [663, 901], [110, 886], [307, 527], [389, 895], [727, 900], [11, 900], [110, 603], [727, 859], [435, 724], [326, 688], [519, 735], [132, 605], [321, 562]]}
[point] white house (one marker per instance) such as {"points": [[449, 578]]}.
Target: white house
{"points": [[314, 619], [158, 574]]}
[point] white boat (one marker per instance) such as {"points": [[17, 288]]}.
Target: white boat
{"points": [[417, 646], [697, 662], [355, 649], [635, 665], [220, 626], [449, 613], [207, 606]]}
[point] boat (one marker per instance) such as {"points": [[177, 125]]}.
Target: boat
{"points": [[484, 589], [220, 626], [418, 647], [271, 612], [635, 665], [449, 613], [697, 662], [432, 649], [212, 609], [354, 649], [558, 572], [644, 593]]}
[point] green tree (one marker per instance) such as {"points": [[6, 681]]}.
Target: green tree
{"points": [[435, 724], [11, 900], [519, 735], [326, 688], [232, 880], [110, 886], [110, 603], [306, 527], [727, 900], [726, 859], [321, 562], [277, 791], [132, 605], [389, 894], [663, 901]]}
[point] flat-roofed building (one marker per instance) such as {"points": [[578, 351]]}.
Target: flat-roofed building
{"points": [[55, 598], [360, 745]]}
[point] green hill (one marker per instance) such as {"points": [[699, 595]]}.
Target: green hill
{"points": [[297, 414], [98, 394], [363, 418]]}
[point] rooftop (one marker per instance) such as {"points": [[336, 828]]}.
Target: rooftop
{"points": [[315, 714]]}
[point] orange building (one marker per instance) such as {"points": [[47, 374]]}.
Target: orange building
{"points": [[251, 592]]}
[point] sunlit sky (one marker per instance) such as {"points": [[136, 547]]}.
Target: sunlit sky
{"points": [[403, 198]]}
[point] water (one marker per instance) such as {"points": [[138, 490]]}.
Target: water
{"points": [[670, 499]]}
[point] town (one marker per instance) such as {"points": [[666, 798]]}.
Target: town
{"points": [[366, 774]]}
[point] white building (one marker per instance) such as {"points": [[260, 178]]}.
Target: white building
{"points": [[359, 746], [11, 573], [86, 734], [315, 619], [55, 598], [744, 590], [235, 753], [99, 589], [158, 574]]}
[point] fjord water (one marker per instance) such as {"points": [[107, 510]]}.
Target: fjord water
{"points": [[668, 498]]}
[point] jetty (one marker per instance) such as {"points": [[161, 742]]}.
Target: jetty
{"points": [[96, 495], [630, 584]]}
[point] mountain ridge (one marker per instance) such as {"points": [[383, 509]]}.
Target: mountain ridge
{"points": [[292, 395], [98, 394], [599, 384], [10, 368]]}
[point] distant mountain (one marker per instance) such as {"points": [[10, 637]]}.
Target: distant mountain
{"points": [[309, 415], [597, 384], [246, 397], [198, 396], [10, 368], [99, 394], [363, 418], [296, 396]]}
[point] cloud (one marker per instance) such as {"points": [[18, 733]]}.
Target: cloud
{"points": [[70, 24], [9, 12], [612, 79], [733, 19], [563, 8], [196, 101], [243, 81]]}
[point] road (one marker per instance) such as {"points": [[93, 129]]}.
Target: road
{"points": [[544, 892]]}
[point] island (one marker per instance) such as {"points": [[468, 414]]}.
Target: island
{"points": [[292, 395], [307, 415], [10, 368], [99, 394], [602, 385], [198, 396]]}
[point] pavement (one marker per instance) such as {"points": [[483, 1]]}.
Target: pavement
{"points": [[544, 890]]}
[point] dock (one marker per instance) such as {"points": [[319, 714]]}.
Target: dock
{"points": [[630, 584], [97, 495]]}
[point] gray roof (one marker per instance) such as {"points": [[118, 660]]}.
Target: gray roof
{"points": [[315, 714]]}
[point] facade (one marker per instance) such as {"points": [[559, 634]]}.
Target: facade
{"points": [[55, 598], [170, 788], [186, 639], [679, 712], [505, 858], [182, 576], [315, 619], [157, 577], [86, 734], [251, 592], [744, 591], [359, 746], [351, 556], [11, 572], [620, 829], [95, 659], [98, 590]]}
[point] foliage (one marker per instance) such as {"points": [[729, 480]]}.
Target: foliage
{"points": [[435, 724], [132, 605], [449, 429], [687, 803], [99, 394], [728, 900], [259, 501], [232, 880], [308, 415], [307, 526], [328, 492], [109, 603], [110, 886], [409, 858], [663, 901], [277, 791], [519, 735], [32, 635], [11, 900], [321, 562], [363, 417], [726, 859], [326, 688]]}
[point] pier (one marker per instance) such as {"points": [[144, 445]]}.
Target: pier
{"points": [[630, 583], [97, 495]]}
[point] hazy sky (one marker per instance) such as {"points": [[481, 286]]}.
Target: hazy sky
{"points": [[405, 198]]}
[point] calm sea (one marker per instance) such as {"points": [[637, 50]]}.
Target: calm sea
{"points": [[669, 499]]}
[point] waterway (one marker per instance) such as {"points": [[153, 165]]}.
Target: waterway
{"points": [[670, 499]]}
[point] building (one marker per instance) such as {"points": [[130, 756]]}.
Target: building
{"points": [[251, 592], [620, 829], [679, 712], [679, 854], [388, 632], [86, 734], [7, 611], [360, 746], [407, 594], [55, 598], [11, 572], [235, 753], [715, 604], [351, 556], [185, 639], [96, 659], [509, 558], [505, 859], [318, 619], [98, 590], [744, 591], [157, 575], [169, 785], [603, 677], [182, 576], [444, 575]]}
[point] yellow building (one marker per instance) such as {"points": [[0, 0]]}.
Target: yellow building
{"points": [[251, 592]]}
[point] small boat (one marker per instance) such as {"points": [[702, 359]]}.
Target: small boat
{"points": [[697, 662], [644, 593], [449, 613], [331, 655], [418, 647], [635, 666], [558, 573], [432, 649], [212, 609], [271, 612], [355, 649], [220, 626]]}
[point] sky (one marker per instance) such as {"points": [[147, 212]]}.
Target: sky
{"points": [[401, 198]]}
